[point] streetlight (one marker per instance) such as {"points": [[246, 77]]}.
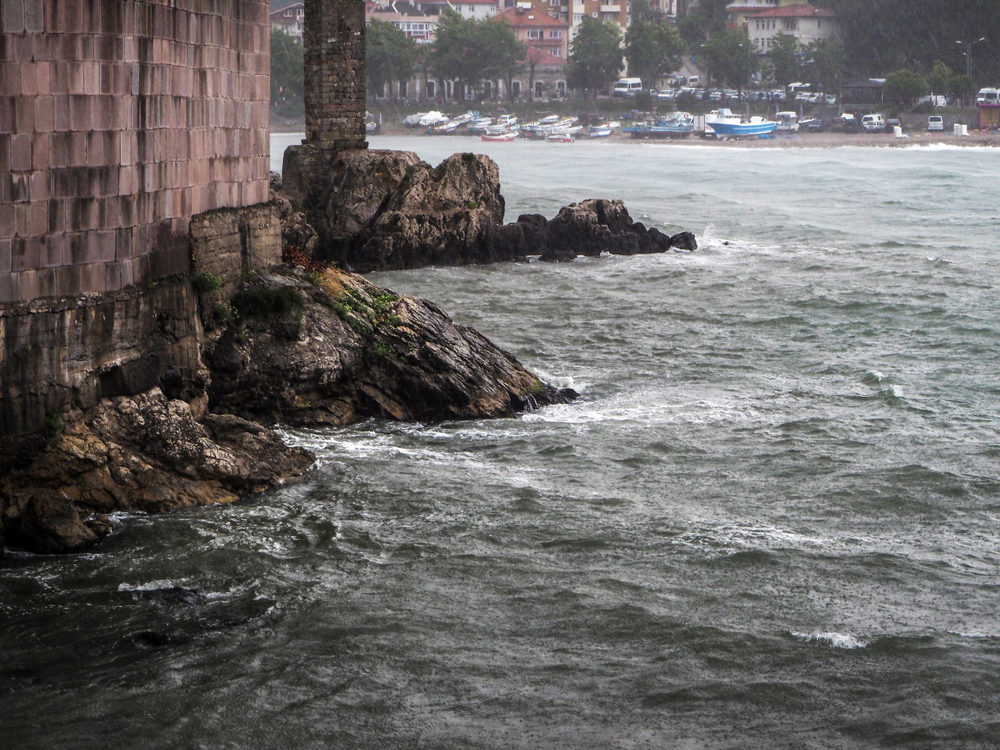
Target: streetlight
{"points": [[968, 55]]}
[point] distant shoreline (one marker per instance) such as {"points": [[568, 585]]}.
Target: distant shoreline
{"points": [[981, 138]]}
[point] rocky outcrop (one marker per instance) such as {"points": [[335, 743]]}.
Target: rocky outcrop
{"points": [[331, 348], [137, 453], [388, 210]]}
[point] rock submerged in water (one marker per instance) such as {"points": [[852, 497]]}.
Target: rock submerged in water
{"points": [[388, 210]]}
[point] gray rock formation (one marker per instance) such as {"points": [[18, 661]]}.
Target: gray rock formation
{"points": [[339, 349], [388, 210], [137, 453]]}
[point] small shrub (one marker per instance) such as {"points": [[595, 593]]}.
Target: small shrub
{"points": [[257, 302], [206, 282], [468, 157], [225, 315], [473, 205], [383, 349], [409, 172], [53, 426]]}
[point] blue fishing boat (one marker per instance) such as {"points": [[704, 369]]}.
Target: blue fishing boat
{"points": [[755, 127]]}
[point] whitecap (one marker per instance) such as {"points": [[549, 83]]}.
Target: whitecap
{"points": [[834, 640]]}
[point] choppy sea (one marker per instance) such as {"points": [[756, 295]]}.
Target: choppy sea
{"points": [[772, 520]]}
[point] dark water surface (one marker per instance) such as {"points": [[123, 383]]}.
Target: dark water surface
{"points": [[771, 521]]}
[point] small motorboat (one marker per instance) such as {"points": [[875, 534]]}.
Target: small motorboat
{"points": [[499, 137], [559, 138]]}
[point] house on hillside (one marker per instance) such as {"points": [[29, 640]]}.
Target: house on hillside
{"points": [[538, 30], [289, 16], [806, 23]]}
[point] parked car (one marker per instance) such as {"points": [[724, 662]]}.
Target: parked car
{"points": [[892, 123], [831, 99], [874, 123], [935, 122], [817, 125], [845, 124]]}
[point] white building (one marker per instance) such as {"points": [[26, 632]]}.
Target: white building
{"points": [[806, 23]]}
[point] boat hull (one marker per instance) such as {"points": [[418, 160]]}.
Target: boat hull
{"points": [[744, 129]]}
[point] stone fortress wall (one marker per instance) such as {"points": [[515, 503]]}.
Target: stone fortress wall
{"points": [[119, 120], [134, 146]]}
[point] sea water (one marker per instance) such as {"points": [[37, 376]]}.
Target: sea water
{"points": [[772, 519]]}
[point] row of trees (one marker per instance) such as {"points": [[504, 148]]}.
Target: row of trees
{"points": [[467, 51]]}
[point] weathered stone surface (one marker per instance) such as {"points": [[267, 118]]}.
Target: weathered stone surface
{"points": [[388, 210], [354, 350], [142, 452], [597, 225]]}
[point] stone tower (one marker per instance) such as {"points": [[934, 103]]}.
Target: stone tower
{"points": [[334, 93]]}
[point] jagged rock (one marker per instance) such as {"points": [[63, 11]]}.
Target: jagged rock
{"points": [[351, 350], [684, 241], [527, 236], [597, 225], [143, 452], [296, 231]]}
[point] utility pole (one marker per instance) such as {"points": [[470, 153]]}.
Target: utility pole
{"points": [[968, 55]]}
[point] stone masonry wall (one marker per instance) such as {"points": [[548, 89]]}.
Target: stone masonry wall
{"points": [[119, 120], [335, 90]]}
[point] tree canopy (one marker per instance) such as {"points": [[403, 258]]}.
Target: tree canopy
{"points": [[904, 86], [472, 51], [731, 58], [389, 55], [595, 55], [653, 47], [785, 63], [888, 35]]}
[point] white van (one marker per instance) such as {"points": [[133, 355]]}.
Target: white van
{"points": [[694, 82], [627, 87], [989, 97], [873, 123]]}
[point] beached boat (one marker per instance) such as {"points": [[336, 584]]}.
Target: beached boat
{"points": [[755, 127], [673, 125], [603, 131], [559, 138], [788, 122], [500, 137]]}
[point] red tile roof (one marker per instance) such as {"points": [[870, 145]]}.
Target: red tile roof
{"points": [[520, 18]]}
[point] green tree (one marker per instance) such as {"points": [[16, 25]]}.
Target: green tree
{"points": [[962, 87], [731, 58], [904, 86], [940, 77], [595, 55], [500, 50], [825, 64], [389, 55], [785, 65], [653, 47], [705, 20], [455, 56], [287, 67]]}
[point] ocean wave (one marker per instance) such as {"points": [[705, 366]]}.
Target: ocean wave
{"points": [[832, 639]]}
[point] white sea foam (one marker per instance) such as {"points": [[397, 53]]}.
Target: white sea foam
{"points": [[834, 640]]}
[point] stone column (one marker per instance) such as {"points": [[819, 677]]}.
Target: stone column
{"points": [[335, 93]]}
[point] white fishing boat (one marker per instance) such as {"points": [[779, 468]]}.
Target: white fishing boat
{"points": [[788, 122], [559, 138], [500, 137]]}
